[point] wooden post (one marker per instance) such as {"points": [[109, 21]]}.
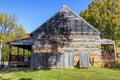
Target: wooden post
{"points": [[10, 50], [28, 54], [18, 54], [32, 66], [101, 54], [1, 56], [23, 54], [115, 51], [18, 51]]}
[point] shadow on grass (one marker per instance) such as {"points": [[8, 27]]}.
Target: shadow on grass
{"points": [[117, 69], [22, 69], [25, 79], [15, 70]]}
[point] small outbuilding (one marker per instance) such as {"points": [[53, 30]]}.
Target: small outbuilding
{"points": [[64, 41]]}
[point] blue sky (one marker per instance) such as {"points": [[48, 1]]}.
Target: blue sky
{"points": [[32, 13]]}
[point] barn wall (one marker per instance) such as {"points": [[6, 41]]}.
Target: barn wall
{"points": [[79, 43], [73, 42], [52, 60], [67, 48]]}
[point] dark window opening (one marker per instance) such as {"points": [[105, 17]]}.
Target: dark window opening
{"points": [[54, 47]]}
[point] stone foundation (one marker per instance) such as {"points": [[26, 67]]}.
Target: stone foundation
{"points": [[95, 60]]}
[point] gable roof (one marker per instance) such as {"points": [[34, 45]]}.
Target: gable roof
{"points": [[61, 18]]}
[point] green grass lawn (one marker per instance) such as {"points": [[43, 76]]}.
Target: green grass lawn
{"points": [[92, 73]]}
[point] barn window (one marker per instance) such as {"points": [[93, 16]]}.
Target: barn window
{"points": [[54, 47]]}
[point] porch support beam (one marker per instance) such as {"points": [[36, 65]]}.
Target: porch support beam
{"points": [[115, 51], [18, 51], [18, 54], [28, 53], [32, 59], [23, 54], [10, 51]]}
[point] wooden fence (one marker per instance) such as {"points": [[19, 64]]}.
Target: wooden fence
{"points": [[108, 56]]}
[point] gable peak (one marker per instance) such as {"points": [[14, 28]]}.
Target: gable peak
{"points": [[64, 6]]}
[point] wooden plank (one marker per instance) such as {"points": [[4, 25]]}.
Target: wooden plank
{"points": [[42, 65], [44, 60], [71, 60], [71, 35], [53, 60], [39, 61], [62, 61], [49, 60], [35, 61], [66, 60], [84, 59], [73, 49], [58, 60]]}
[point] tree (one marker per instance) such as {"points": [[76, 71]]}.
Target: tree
{"points": [[105, 16], [9, 31]]}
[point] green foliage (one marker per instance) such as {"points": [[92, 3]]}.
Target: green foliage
{"points": [[107, 49], [9, 31], [105, 16]]}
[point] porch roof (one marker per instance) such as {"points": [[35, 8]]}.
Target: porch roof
{"points": [[23, 43], [107, 42]]}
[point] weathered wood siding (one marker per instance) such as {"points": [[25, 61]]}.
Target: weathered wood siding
{"points": [[64, 58], [53, 60], [70, 32], [84, 59], [77, 43]]}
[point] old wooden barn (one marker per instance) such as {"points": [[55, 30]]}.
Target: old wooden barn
{"points": [[64, 41]]}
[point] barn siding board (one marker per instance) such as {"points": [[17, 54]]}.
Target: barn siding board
{"points": [[66, 60], [62, 61], [35, 61], [51, 60], [58, 61], [84, 59], [40, 61], [45, 60], [43, 57], [71, 60]]}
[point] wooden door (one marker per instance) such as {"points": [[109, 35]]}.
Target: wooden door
{"points": [[84, 59]]}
